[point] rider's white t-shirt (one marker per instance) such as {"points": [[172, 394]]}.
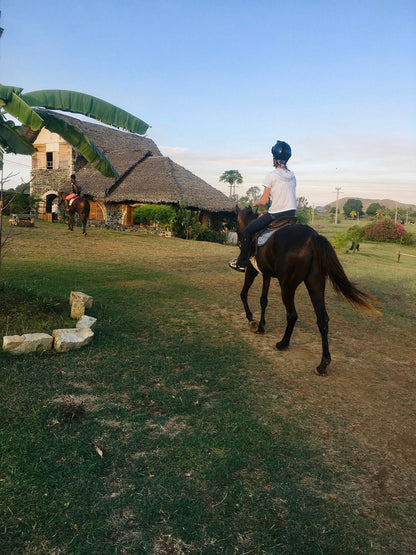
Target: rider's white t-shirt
{"points": [[282, 185]]}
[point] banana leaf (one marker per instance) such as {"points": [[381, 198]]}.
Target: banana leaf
{"points": [[6, 93], [79, 141], [18, 108], [12, 139], [80, 103]]}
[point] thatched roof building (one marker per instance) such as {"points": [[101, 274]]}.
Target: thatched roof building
{"points": [[145, 176]]}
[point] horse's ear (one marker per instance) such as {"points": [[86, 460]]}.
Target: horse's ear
{"points": [[236, 209]]}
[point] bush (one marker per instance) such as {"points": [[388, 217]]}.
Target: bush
{"points": [[210, 235], [303, 215], [385, 231], [148, 214], [354, 234], [18, 202]]}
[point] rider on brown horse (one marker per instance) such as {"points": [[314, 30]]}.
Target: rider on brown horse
{"points": [[280, 187], [76, 191]]}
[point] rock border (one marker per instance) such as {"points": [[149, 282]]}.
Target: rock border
{"points": [[62, 340]]}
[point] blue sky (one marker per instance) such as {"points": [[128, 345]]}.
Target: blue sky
{"points": [[220, 81]]}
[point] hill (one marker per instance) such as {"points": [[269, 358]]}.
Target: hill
{"points": [[388, 203]]}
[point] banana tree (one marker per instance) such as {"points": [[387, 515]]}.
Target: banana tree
{"points": [[29, 110]]}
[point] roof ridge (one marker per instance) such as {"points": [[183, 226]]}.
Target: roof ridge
{"points": [[114, 186]]}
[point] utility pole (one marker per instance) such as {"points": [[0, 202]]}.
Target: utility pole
{"points": [[336, 205]]}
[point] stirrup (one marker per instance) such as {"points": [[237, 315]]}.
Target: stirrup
{"points": [[235, 266]]}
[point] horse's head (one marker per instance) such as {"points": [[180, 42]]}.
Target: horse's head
{"points": [[244, 217], [61, 197]]}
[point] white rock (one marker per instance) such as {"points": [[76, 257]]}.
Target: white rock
{"points": [[86, 322], [73, 338], [78, 296], [27, 343]]}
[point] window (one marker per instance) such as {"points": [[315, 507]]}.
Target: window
{"points": [[49, 160]]}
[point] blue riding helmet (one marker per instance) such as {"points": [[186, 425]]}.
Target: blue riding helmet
{"points": [[281, 151]]}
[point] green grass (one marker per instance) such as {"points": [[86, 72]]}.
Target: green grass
{"points": [[158, 438]]}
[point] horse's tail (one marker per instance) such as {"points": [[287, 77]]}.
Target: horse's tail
{"points": [[331, 267]]}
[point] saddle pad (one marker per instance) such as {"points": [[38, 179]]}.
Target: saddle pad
{"points": [[267, 233]]}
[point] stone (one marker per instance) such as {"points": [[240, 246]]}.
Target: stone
{"points": [[77, 309], [86, 322], [27, 343], [72, 338], [78, 296]]}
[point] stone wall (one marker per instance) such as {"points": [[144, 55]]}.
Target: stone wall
{"points": [[115, 215], [44, 181]]}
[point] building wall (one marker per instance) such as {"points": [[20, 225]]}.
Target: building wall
{"points": [[43, 181]]}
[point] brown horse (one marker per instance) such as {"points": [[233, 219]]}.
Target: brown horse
{"points": [[80, 206], [295, 254]]}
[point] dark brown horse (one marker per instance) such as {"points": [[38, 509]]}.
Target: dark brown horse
{"points": [[295, 254], [80, 206]]}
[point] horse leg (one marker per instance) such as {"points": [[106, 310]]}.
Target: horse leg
{"points": [[288, 297], [70, 222], [250, 275], [84, 225], [263, 303], [317, 294]]}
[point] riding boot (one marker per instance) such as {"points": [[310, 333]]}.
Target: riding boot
{"points": [[241, 262]]}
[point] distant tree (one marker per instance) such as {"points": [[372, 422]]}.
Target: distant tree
{"points": [[303, 212], [353, 205], [380, 213], [373, 207], [302, 202], [252, 194], [231, 177]]}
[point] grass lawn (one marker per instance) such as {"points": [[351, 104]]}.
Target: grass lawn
{"points": [[177, 430]]}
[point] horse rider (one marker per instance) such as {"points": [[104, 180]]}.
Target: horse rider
{"points": [[76, 191], [280, 188]]}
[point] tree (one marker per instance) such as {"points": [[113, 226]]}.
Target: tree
{"points": [[27, 109], [373, 208], [353, 205], [303, 212], [252, 194], [232, 177]]}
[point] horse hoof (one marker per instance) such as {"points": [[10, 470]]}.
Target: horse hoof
{"points": [[321, 371], [280, 346], [254, 326]]}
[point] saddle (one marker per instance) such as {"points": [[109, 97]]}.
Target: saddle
{"points": [[264, 235], [72, 200]]}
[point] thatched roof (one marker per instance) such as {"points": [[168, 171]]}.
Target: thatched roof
{"points": [[159, 180], [145, 176]]}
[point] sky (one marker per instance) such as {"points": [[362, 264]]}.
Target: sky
{"points": [[219, 81]]}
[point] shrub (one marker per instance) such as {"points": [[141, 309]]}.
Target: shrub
{"points": [[303, 215], [210, 235], [161, 214], [354, 234], [18, 202], [384, 231]]}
